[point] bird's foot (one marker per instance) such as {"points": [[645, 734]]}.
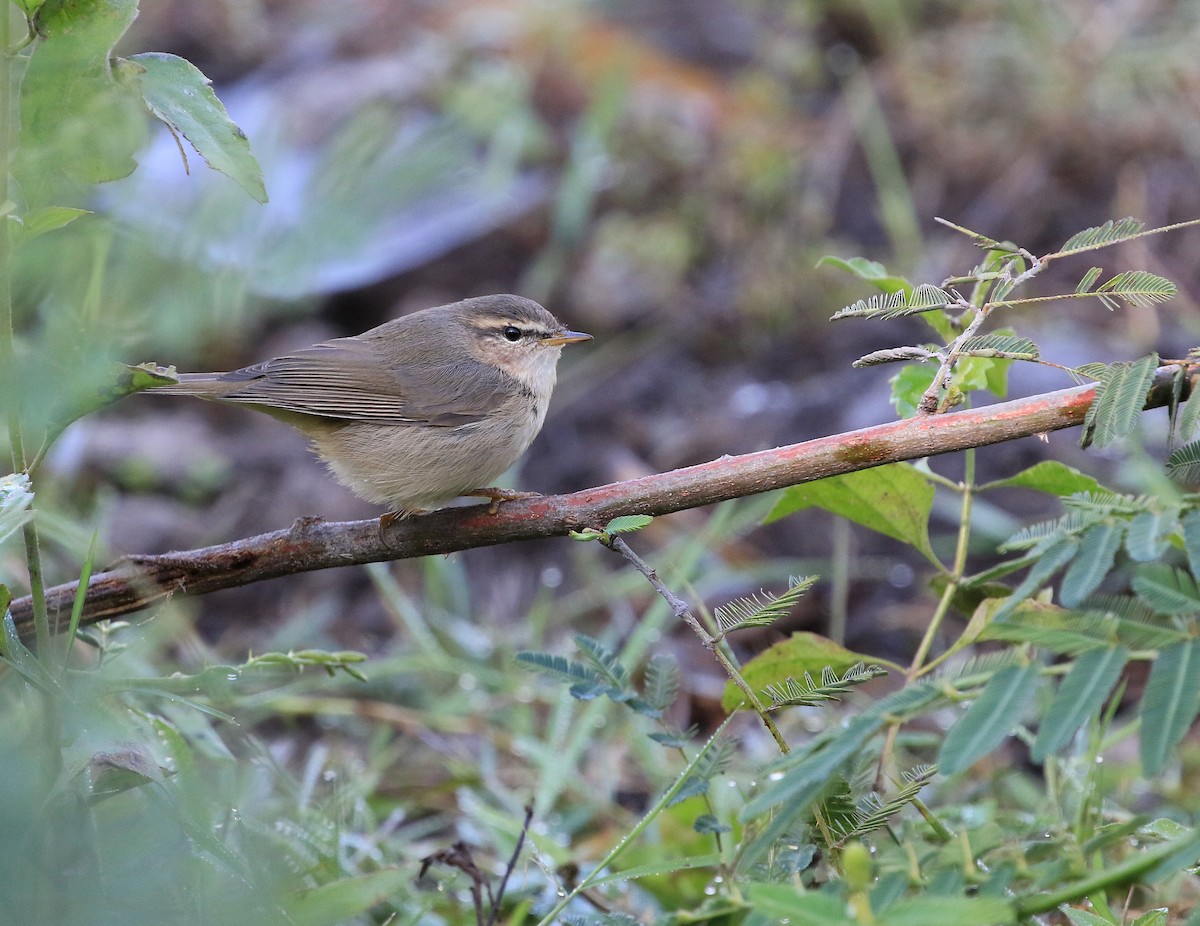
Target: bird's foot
{"points": [[498, 495]]}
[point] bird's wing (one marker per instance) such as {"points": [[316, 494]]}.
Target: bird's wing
{"points": [[348, 379]]}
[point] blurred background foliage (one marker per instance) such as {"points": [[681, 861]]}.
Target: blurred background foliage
{"points": [[662, 174]]}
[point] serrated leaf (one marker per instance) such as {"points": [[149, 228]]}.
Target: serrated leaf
{"points": [[1089, 280], [1051, 477], [661, 686], [1190, 416], [894, 500], [627, 523], [1144, 538], [1120, 399], [1183, 465], [1092, 563], [1000, 344], [1110, 232], [1191, 540], [879, 304], [990, 719], [801, 653], [181, 96], [1166, 589], [1080, 696], [1057, 555], [761, 610], [1136, 287], [1170, 703]]}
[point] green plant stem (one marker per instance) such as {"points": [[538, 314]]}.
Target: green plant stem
{"points": [[679, 607], [37, 586], [659, 806], [917, 668]]}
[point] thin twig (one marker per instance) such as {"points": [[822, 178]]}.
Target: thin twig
{"points": [[511, 866], [681, 610]]}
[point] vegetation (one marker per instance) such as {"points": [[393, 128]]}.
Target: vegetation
{"points": [[1029, 762]]}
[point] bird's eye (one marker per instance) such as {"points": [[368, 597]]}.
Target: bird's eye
{"points": [[511, 333]]}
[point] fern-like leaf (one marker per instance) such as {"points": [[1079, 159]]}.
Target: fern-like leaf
{"points": [[761, 610], [1120, 398], [1088, 281], [992, 344], [896, 355], [661, 686], [870, 308], [1183, 465], [831, 687], [604, 662], [558, 667], [1136, 287], [873, 812], [1100, 236]]}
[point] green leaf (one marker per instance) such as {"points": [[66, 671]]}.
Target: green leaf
{"points": [[1136, 287], [1170, 703], [627, 523], [784, 903], [347, 898], [48, 219], [1183, 465], [1144, 538], [1120, 400], [1057, 555], [1097, 236], [1166, 589], [800, 653], [661, 686], [932, 910], [181, 96], [871, 271], [990, 719], [909, 385], [1097, 552], [1080, 696], [16, 495], [990, 344], [894, 500], [1051, 477], [1191, 540], [1191, 412], [1084, 918]]}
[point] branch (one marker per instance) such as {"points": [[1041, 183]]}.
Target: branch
{"points": [[139, 581]]}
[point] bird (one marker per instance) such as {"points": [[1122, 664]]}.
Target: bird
{"points": [[420, 410]]}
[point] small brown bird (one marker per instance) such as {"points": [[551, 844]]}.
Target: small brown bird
{"points": [[420, 410]]}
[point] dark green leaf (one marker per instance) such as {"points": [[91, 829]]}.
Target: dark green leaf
{"points": [[181, 96], [1167, 590], [871, 271], [1094, 560], [1120, 400], [1080, 696], [1170, 703], [1051, 477], [894, 500], [990, 719]]}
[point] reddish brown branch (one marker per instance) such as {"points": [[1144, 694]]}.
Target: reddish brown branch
{"points": [[139, 581]]}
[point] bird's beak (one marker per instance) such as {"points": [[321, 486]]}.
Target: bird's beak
{"points": [[566, 337]]}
